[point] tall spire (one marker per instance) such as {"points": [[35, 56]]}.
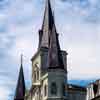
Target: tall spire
{"points": [[20, 89], [49, 39], [47, 25]]}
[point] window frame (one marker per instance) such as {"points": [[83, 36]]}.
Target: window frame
{"points": [[45, 90], [53, 88]]}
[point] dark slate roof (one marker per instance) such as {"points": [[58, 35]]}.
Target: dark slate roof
{"points": [[76, 88], [20, 89], [48, 38], [47, 25], [55, 59]]}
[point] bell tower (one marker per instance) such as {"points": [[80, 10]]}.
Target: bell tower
{"points": [[49, 64]]}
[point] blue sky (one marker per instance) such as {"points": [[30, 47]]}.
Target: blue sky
{"points": [[78, 24]]}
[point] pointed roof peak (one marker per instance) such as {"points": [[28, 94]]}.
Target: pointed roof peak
{"points": [[21, 59], [48, 2], [47, 25], [48, 15], [20, 88]]}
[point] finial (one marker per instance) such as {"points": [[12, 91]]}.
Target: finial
{"points": [[53, 12], [21, 59]]}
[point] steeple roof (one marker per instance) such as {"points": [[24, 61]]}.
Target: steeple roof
{"points": [[49, 39], [55, 59], [47, 25], [20, 89]]}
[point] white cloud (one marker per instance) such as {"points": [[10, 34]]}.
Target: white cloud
{"points": [[83, 61], [4, 93], [7, 86], [93, 2], [82, 44]]}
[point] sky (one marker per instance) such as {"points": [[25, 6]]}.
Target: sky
{"points": [[78, 25]]}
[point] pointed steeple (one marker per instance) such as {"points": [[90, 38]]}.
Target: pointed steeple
{"points": [[48, 38], [55, 59], [20, 89], [47, 25]]}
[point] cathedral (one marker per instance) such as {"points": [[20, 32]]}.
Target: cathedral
{"points": [[49, 69]]}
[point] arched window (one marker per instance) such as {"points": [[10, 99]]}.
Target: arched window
{"points": [[34, 76], [37, 74], [53, 88], [45, 90]]}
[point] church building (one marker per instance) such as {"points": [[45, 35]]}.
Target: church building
{"points": [[49, 68]]}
